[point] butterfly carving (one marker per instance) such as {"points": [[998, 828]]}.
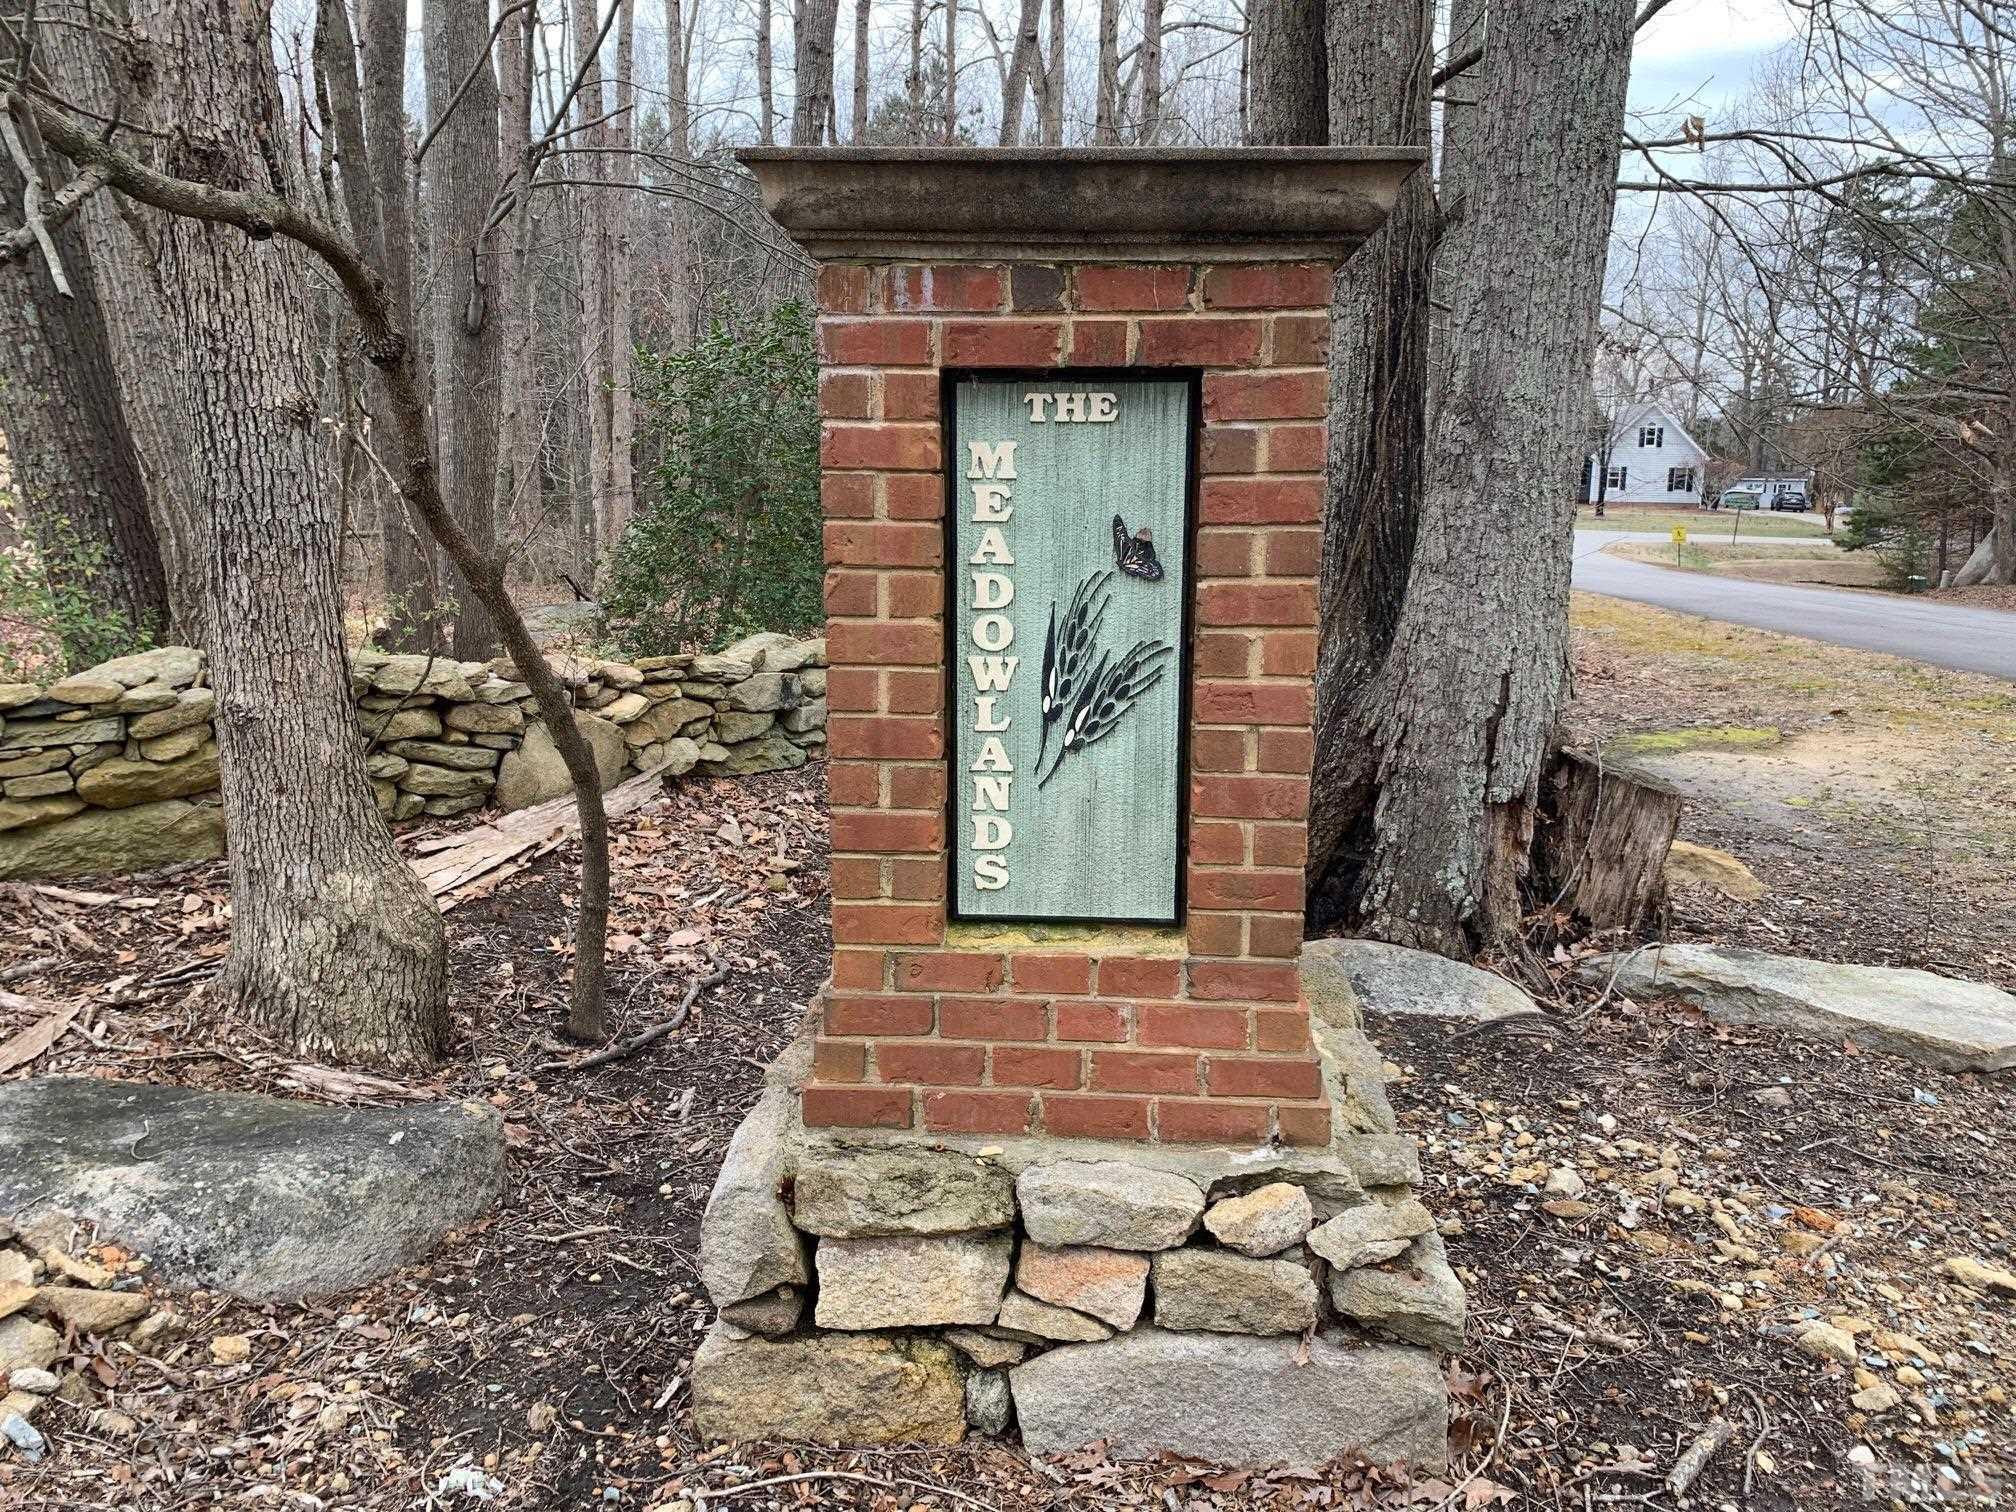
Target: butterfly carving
{"points": [[1135, 554]]}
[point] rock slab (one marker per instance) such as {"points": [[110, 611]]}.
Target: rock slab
{"points": [[828, 1388], [1415, 1297], [266, 1198], [911, 1283], [1393, 979], [1107, 1203], [1933, 1020], [1108, 1284], [747, 1243], [1220, 1292], [869, 1194], [1200, 1395]]}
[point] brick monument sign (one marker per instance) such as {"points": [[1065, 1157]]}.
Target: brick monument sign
{"points": [[1073, 447]]}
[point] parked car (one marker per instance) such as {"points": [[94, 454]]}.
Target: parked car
{"points": [[1791, 500], [1739, 497]]}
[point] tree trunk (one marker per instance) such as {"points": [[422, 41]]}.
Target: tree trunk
{"points": [[913, 82], [1287, 73], [1106, 104], [460, 178], [1433, 753], [1600, 854], [678, 113], [858, 126], [335, 945], [1151, 74], [76, 469], [1053, 80], [622, 485], [513, 291], [951, 70], [1023, 63], [812, 50], [593, 260], [766, 100], [412, 585]]}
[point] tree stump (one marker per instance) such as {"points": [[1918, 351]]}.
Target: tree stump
{"points": [[1600, 852]]}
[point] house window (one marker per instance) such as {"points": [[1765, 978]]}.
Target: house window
{"points": [[1616, 476], [1680, 480], [1652, 435]]}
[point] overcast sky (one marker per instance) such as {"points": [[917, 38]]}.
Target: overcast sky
{"points": [[1705, 51]]}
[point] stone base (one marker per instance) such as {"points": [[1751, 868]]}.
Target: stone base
{"points": [[878, 1288]]}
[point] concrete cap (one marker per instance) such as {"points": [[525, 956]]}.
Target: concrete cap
{"points": [[1107, 204]]}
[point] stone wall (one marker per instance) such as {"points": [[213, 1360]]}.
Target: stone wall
{"points": [[115, 769]]}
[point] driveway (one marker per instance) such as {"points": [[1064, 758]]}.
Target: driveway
{"points": [[1945, 635]]}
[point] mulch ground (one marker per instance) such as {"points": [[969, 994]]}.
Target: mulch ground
{"points": [[1731, 1187]]}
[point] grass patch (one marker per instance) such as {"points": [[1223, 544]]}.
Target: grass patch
{"points": [[1709, 737], [1716, 523]]}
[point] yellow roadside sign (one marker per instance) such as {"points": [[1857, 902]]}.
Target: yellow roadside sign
{"points": [[1679, 535]]}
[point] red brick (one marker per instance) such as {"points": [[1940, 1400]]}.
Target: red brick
{"points": [[856, 784], [1205, 341], [909, 692], [868, 645], [1138, 1071], [1180, 1121], [1221, 655], [1220, 554], [1280, 844], [1268, 286], [878, 1015], [914, 595], [1232, 1077], [859, 969], [1099, 343], [1098, 1023], [1292, 553], [948, 971], [884, 736], [1251, 703], [1249, 603], [1249, 797], [857, 876], [1029, 1066], [875, 343], [1275, 935], [1136, 976], [1216, 844], [1300, 340], [888, 924], [1250, 980], [845, 395], [1229, 449], [1286, 1031], [1178, 1025], [854, 690], [1218, 750], [1215, 934], [886, 446], [853, 544], [1261, 501], [1304, 1126], [931, 1065], [917, 787], [839, 1061], [914, 496], [1134, 286], [910, 396], [857, 1107], [842, 289], [1300, 394], [1002, 343], [850, 593], [847, 496], [977, 1112], [1036, 286], [962, 287], [1296, 448], [1095, 1117], [918, 880], [1242, 888], [1288, 653], [992, 1018], [1289, 751], [1051, 973]]}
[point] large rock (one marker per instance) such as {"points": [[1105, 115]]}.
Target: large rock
{"points": [[1265, 1221], [1416, 1297], [910, 1282], [1393, 979], [770, 753], [747, 1243], [40, 734], [101, 841], [122, 783], [21, 809], [1107, 1203], [837, 1388], [266, 1198], [1371, 1232], [1936, 1021], [192, 706], [27, 1345], [1220, 1292], [579, 621], [534, 773], [879, 1193], [1109, 1284], [175, 666], [1236, 1401], [1028, 1317]]}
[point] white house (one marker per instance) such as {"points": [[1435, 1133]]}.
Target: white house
{"points": [[1652, 461]]}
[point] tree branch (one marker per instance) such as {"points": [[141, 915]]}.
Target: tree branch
{"points": [[482, 62]]}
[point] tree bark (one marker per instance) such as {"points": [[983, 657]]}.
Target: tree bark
{"points": [[76, 468], [1023, 64], [766, 99], [1106, 103], [812, 52], [1427, 794], [1287, 72], [858, 125], [951, 70], [1600, 854], [622, 484], [1053, 80], [513, 294], [593, 259], [460, 178], [1150, 131]]}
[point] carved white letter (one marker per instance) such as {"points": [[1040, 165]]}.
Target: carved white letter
{"points": [[991, 461]]}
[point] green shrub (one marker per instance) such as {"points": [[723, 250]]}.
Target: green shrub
{"points": [[731, 541], [54, 616], [1898, 538]]}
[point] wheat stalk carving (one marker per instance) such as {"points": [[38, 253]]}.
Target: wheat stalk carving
{"points": [[1067, 661], [1090, 696]]}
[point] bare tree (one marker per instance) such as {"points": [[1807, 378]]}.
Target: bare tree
{"points": [[812, 53], [766, 99], [1024, 65], [1106, 103], [858, 124]]}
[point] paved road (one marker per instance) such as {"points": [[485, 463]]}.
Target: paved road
{"points": [[1946, 635]]}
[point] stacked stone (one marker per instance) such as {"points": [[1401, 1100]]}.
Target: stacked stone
{"points": [[115, 769], [1272, 1305]]}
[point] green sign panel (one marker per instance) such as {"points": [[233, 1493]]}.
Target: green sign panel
{"points": [[1068, 576]]}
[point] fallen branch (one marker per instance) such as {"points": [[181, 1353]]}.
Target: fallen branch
{"points": [[1704, 1448], [701, 1496], [650, 1036], [1554, 1323]]}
